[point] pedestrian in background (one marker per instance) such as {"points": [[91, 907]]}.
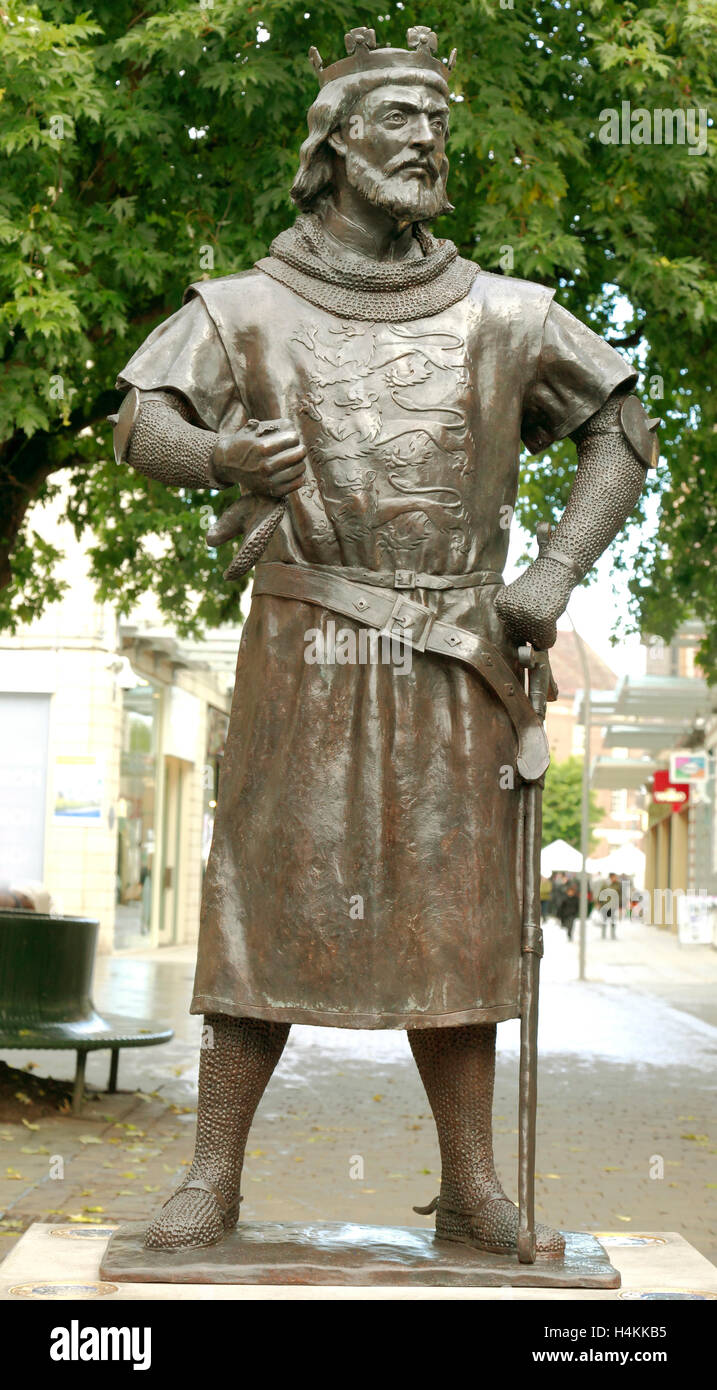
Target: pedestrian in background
{"points": [[610, 909], [558, 889], [569, 908]]}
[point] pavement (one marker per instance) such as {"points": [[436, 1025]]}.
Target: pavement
{"points": [[344, 1131]]}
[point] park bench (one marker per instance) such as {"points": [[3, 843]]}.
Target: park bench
{"points": [[46, 966]]}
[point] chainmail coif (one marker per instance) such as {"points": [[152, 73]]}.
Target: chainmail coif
{"points": [[306, 247], [357, 287]]}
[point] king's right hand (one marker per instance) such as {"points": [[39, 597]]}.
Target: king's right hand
{"points": [[265, 457]]}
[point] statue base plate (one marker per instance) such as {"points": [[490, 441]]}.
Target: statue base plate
{"points": [[340, 1253]]}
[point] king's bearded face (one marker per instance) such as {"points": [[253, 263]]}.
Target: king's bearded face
{"points": [[393, 148]]}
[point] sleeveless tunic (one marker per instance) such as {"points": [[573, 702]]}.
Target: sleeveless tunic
{"points": [[365, 869]]}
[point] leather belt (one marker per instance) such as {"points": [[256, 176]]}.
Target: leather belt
{"points": [[402, 618], [410, 579]]}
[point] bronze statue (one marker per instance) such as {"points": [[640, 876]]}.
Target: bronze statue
{"points": [[368, 390]]}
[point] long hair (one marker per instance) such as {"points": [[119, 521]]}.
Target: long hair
{"points": [[332, 107]]}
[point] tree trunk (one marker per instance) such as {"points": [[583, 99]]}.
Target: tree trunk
{"points": [[25, 463]]}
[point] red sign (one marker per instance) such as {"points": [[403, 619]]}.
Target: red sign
{"points": [[667, 793]]}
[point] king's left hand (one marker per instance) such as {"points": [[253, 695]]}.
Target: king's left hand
{"points": [[530, 606]]}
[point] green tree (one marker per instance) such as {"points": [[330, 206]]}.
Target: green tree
{"points": [[144, 140], [562, 804]]}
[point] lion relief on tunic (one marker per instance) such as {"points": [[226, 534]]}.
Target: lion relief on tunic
{"points": [[384, 420]]}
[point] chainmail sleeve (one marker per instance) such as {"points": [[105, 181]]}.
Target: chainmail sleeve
{"points": [[164, 445], [608, 483], [609, 479]]}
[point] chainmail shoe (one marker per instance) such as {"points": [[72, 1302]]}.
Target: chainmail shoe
{"points": [[491, 1226], [234, 1069], [457, 1068]]}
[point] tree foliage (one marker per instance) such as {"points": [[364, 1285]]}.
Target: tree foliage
{"points": [[143, 138], [562, 804]]}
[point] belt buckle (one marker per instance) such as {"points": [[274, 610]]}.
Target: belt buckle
{"points": [[413, 620], [404, 579]]}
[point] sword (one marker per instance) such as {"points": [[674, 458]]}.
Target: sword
{"points": [[541, 688]]}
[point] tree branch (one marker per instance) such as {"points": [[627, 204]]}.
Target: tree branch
{"points": [[631, 340]]}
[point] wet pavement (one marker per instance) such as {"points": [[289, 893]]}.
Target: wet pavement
{"points": [[344, 1132]]}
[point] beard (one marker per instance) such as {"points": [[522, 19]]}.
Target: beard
{"points": [[406, 199]]}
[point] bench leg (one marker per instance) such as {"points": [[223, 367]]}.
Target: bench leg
{"points": [[114, 1064], [79, 1081]]}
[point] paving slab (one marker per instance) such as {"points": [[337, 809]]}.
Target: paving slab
{"points": [[344, 1133]]}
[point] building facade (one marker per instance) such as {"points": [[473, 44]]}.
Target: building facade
{"points": [[112, 738]]}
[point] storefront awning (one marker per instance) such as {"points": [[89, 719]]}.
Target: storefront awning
{"points": [[674, 700], [618, 774], [652, 736]]}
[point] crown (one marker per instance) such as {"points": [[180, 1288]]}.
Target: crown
{"points": [[365, 56]]}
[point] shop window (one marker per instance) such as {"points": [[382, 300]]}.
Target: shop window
{"points": [[136, 841]]}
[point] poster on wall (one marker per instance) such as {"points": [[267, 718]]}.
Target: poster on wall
{"points": [[697, 920], [79, 790]]}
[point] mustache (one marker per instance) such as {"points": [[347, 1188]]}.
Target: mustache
{"points": [[425, 161]]}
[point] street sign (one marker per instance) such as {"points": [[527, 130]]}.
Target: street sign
{"points": [[667, 792], [689, 767]]}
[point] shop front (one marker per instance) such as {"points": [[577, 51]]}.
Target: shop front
{"points": [[136, 814]]}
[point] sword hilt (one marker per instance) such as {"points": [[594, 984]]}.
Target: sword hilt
{"points": [[541, 685], [255, 543]]}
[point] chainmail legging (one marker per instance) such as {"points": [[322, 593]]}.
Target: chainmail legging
{"points": [[237, 1059], [457, 1068]]}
